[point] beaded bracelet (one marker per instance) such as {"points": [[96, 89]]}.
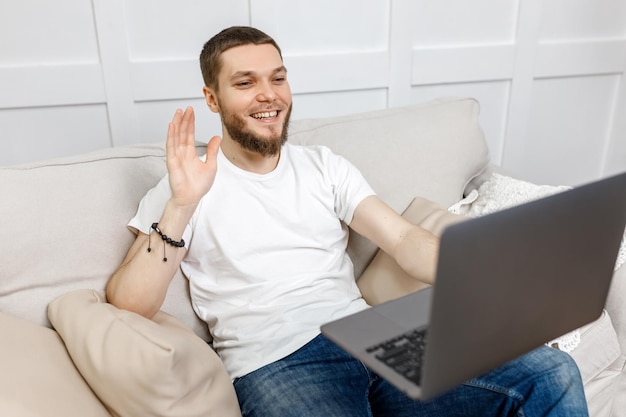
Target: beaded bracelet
{"points": [[166, 239]]}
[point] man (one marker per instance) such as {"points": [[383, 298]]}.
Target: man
{"points": [[258, 227]]}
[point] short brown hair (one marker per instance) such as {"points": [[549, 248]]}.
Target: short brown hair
{"points": [[210, 62]]}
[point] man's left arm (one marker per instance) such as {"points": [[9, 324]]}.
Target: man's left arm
{"points": [[415, 249]]}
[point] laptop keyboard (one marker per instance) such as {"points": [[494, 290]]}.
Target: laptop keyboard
{"points": [[403, 353]]}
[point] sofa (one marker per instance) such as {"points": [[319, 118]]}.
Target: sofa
{"points": [[66, 352]]}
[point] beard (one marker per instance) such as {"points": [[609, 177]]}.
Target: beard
{"points": [[235, 125]]}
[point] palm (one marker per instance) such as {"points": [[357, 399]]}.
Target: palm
{"points": [[190, 178]]}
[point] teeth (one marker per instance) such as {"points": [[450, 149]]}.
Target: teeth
{"points": [[265, 115]]}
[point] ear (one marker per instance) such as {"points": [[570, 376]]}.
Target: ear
{"points": [[211, 99]]}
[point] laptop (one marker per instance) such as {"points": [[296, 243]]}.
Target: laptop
{"points": [[506, 283]]}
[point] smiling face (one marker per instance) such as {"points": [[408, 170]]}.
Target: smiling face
{"points": [[253, 98]]}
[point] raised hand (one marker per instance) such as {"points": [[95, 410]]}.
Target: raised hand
{"points": [[190, 178]]}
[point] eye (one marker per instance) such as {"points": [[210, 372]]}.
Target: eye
{"points": [[280, 79], [243, 84]]}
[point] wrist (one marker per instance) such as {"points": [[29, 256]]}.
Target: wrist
{"points": [[165, 238], [175, 219]]}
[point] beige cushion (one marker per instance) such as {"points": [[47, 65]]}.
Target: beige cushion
{"points": [[383, 279], [432, 150], [37, 376], [141, 367]]}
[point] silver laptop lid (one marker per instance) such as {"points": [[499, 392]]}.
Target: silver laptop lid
{"points": [[539, 270]]}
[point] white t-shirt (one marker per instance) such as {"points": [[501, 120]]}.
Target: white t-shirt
{"points": [[267, 260]]}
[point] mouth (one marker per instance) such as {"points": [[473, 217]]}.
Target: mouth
{"points": [[266, 115]]}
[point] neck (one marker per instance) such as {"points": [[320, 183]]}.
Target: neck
{"points": [[248, 160]]}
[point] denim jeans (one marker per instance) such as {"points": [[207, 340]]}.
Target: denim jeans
{"points": [[320, 379]]}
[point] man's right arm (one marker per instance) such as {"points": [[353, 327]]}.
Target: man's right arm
{"points": [[141, 282]]}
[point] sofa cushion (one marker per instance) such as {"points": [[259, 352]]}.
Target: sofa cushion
{"points": [[383, 279], [138, 366], [65, 223], [432, 150], [616, 302], [37, 376]]}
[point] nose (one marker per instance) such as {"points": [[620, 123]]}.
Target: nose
{"points": [[266, 92]]}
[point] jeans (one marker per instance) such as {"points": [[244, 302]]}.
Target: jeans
{"points": [[320, 379]]}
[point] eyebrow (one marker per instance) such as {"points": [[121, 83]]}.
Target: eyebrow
{"points": [[239, 74]]}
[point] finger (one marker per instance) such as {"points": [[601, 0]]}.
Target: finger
{"points": [[172, 130], [187, 127], [191, 131], [175, 124], [212, 148]]}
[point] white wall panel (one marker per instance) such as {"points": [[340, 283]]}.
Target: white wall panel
{"points": [[337, 103], [583, 19], [324, 26], [337, 72], [164, 80], [458, 64], [461, 22], [569, 129], [580, 58], [48, 132], [51, 85], [36, 32], [123, 66], [570, 66], [173, 30], [154, 117]]}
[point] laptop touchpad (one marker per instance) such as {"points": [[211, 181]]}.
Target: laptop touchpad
{"points": [[411, 311]]}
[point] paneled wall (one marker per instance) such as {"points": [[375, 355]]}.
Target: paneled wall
{"points": [[78, 75]]}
